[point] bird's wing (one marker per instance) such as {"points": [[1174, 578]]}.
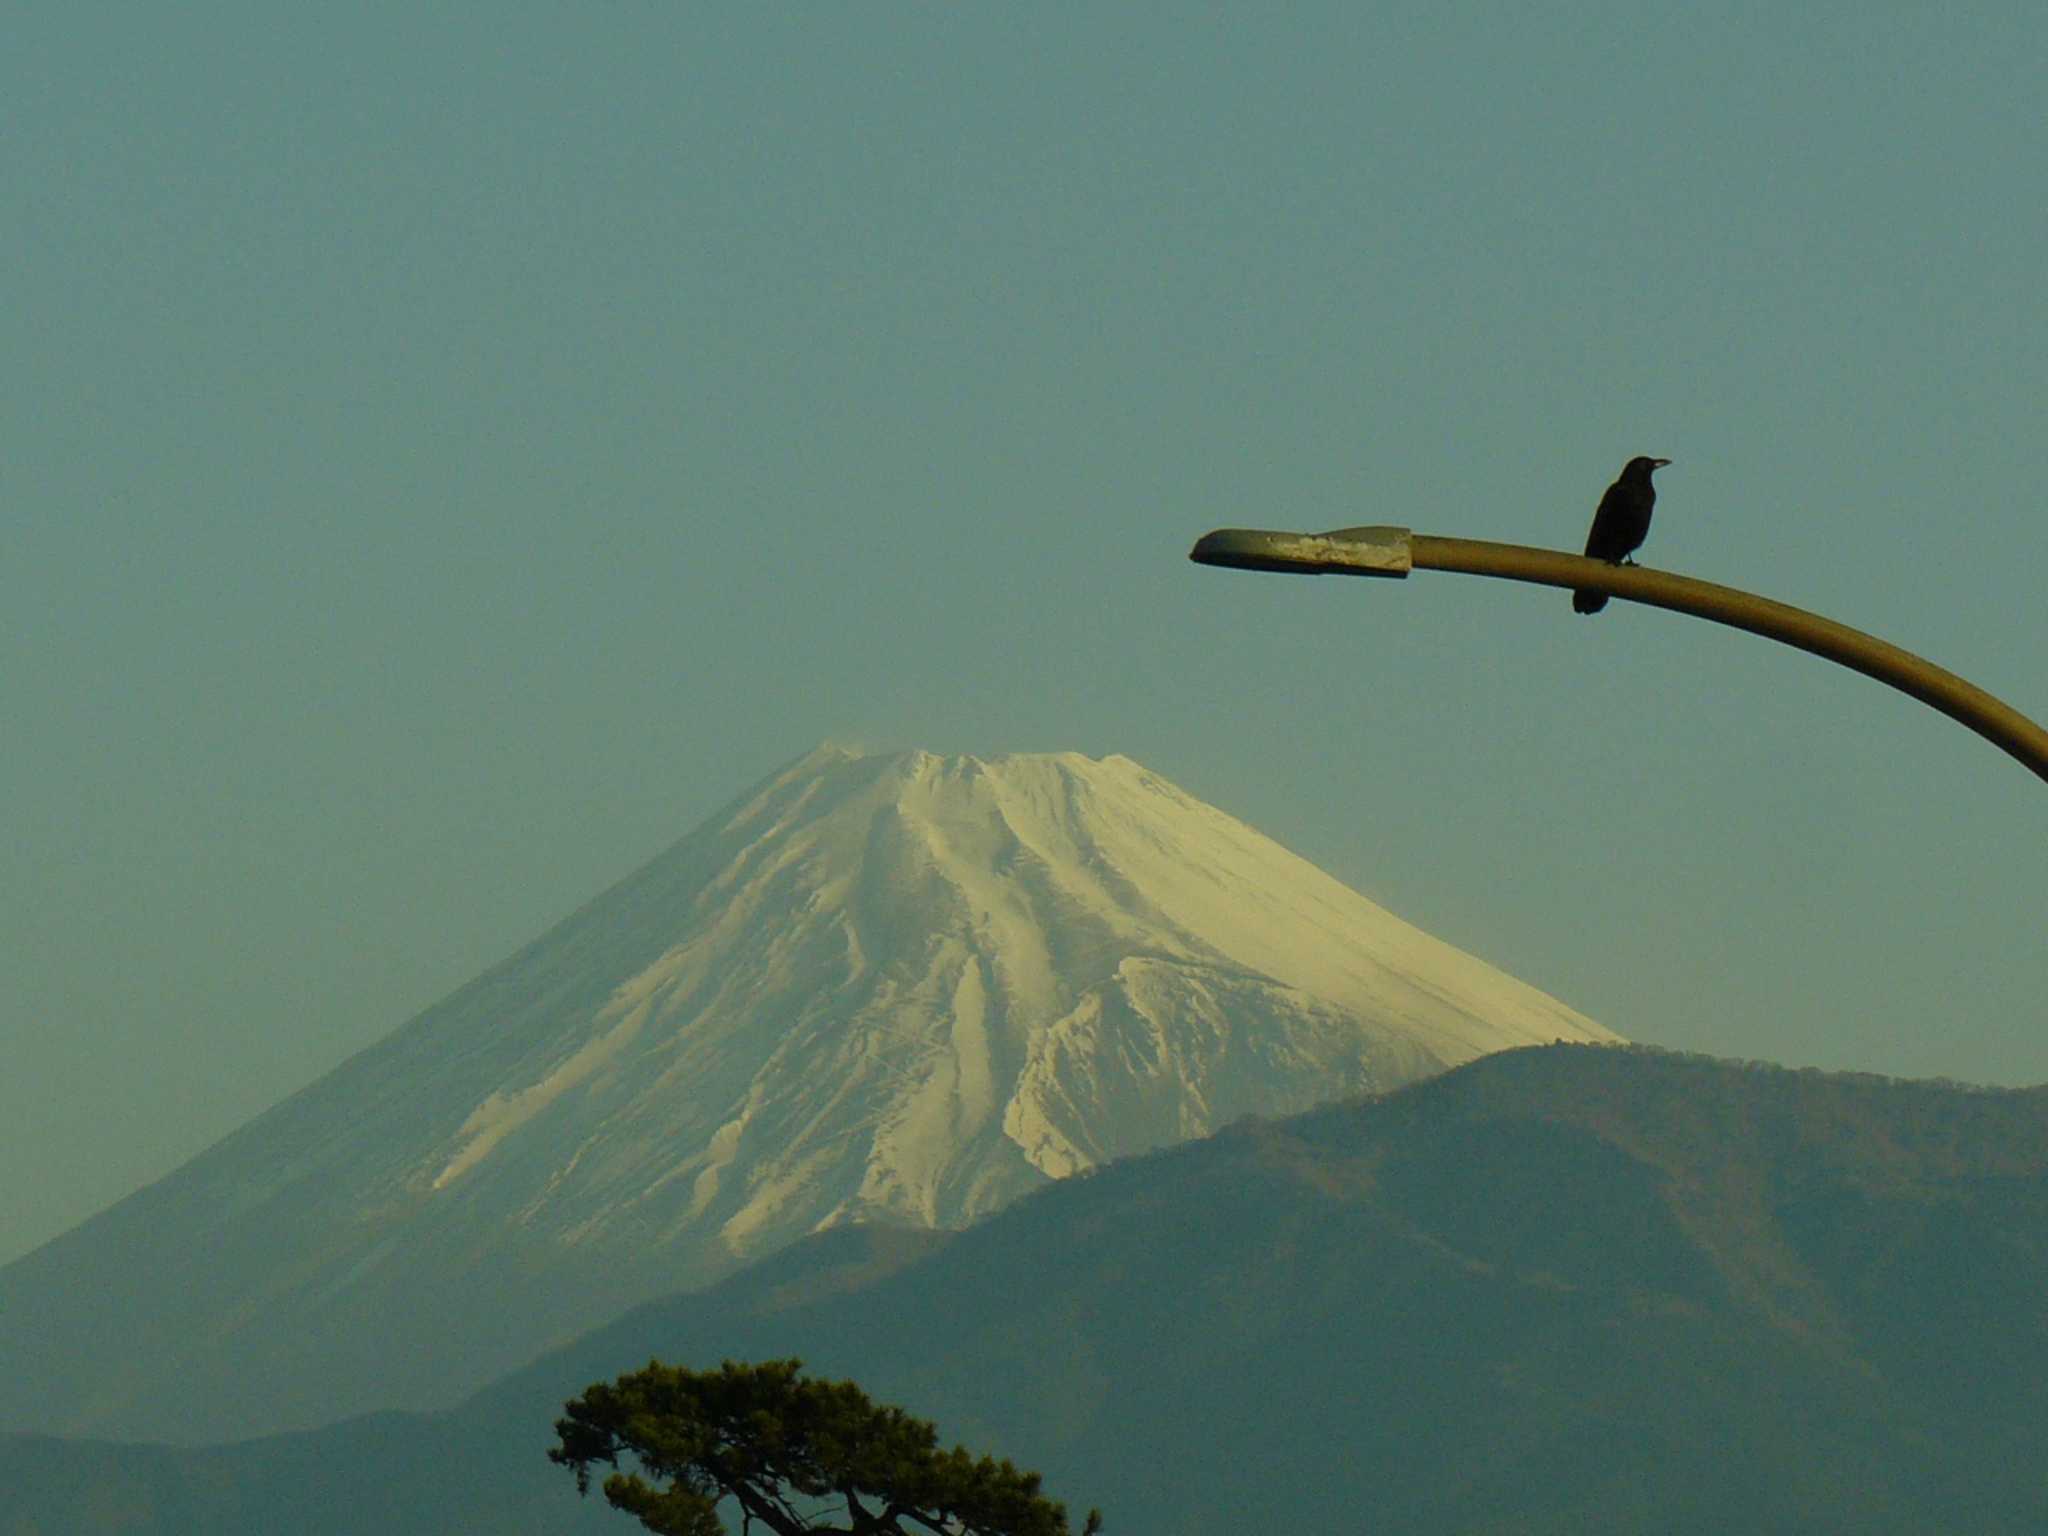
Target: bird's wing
{"points": [[1602, 533]]}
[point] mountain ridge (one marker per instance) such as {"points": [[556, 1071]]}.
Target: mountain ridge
{"points": [[1477, 1304]]}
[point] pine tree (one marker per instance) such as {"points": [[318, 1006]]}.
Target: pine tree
{"points": [[793, 1454]]}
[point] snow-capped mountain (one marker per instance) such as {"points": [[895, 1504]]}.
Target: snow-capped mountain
{"points": [[904, 988]]}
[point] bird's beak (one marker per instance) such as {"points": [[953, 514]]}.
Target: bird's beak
{"points": [[1658, 463]]}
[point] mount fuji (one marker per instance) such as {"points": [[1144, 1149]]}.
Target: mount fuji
{"points": [[899, 988]]}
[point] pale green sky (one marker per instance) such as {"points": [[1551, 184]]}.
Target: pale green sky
{"points": [[449, 450]]}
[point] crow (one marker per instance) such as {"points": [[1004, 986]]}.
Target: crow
{"points": [[1620, 525]]}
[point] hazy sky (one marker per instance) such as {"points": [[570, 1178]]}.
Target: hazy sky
{"points": [[450, 450]]}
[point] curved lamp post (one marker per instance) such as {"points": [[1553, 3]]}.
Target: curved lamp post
{"points": [[1396, 551]]}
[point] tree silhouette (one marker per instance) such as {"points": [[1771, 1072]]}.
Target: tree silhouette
{"points": [[793, 1454]]}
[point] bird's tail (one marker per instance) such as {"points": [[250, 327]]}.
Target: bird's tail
{"points": [[1585, 601]]}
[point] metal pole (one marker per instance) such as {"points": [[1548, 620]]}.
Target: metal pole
{"points": [[1394, 551]]}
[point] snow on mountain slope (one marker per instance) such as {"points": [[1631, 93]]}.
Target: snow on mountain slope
{"points": [[896, 987]]}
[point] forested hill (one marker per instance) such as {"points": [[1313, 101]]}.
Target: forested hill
{"points": [[1566, 1289]]}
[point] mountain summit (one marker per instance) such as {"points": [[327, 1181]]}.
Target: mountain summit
{"points": [[904, 988]]}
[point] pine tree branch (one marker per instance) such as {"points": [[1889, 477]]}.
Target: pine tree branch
{"points": [[759, 1504]]}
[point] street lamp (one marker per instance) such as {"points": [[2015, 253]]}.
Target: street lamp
{"points": [[1380, 551]]}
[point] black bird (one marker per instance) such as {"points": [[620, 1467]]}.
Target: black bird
{"points": [[1620, 525]]}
